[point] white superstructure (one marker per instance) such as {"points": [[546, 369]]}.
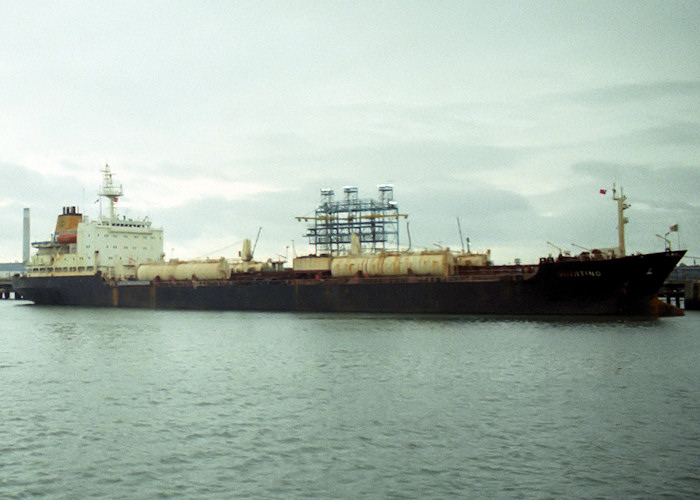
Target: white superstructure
{"points": [[113, 245]]}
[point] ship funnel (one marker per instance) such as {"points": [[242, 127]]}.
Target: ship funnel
{"points": [[25, 237]]}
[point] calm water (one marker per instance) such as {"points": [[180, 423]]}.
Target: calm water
{"points": [[144, 404]]}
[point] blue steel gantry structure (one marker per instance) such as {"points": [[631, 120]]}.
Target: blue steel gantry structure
{"points": [[374, 221]]}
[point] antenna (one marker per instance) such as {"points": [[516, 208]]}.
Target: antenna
{"points": [[461, 238]]}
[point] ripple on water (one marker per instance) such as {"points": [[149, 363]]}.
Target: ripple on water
{"points": [[153, 404]]}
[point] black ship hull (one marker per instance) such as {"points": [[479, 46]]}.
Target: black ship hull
{"points": [[623, 286]]}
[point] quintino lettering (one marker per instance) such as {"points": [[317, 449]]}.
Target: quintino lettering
{"points": [[579, 274]]}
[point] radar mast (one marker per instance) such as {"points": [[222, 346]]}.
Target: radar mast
{"points": [[109, 190]]}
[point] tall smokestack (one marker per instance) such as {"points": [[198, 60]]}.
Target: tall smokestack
{"points": [[25, 239]]}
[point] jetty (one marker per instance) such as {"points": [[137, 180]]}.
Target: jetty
{"points": [[682, 288], [6, 272]]}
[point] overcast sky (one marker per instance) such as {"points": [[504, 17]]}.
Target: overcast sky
{"points": [[220, 117]]}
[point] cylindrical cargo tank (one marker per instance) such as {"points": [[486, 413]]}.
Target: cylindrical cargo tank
{"points": [[423, 264], [312, 263], [206, 270], [374, 264], [250, 267], [149, 272], [384, 264], [211, 270], [348, 266]]}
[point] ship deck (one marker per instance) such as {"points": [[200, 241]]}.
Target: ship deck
{"points": [[485, 274]]}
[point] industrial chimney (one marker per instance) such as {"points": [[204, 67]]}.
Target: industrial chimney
{"points": [[25, 238]]}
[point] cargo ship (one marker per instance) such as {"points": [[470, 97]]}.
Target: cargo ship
{"points": [[115, 261]]}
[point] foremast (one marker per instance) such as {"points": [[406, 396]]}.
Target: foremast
{"points": [[621, 219]]}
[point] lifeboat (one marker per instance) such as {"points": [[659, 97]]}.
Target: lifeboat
{"points": [[67, 237]]}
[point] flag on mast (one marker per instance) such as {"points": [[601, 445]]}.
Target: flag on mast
{"points": [[603, 191], [674, 228]]}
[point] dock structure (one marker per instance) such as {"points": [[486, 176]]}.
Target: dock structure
{"points": [[6, 273], [692, 296], [6, 290], [682, 288], [684, 294]]}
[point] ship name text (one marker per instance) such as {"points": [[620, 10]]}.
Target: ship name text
{"points": [[579, 274]]}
